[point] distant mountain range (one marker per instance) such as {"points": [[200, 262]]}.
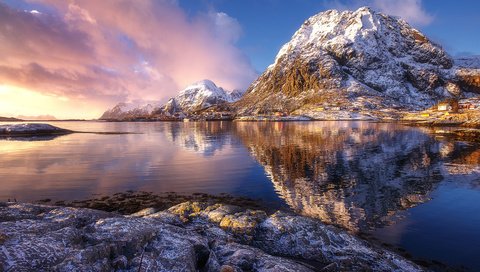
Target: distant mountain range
{"points": [[29, 118], [196, 97], [9, 119], [338, 65]]}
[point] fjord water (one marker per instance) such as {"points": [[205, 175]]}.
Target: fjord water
{"points": [[407, 187]]}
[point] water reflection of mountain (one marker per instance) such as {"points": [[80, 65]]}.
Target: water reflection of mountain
{"points": [[353, 174], [202, 137]]}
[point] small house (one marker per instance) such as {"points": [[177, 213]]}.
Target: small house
{"points": [[444, 107], [450, 105]]}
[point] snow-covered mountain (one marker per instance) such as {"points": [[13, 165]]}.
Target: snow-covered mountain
{"points": [[203, 94], [467, 73], [195, 97], [353, 61], [123, 111]]}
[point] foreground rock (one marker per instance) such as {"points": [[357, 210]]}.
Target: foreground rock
{"points": [[191, 236], [32, 129]]}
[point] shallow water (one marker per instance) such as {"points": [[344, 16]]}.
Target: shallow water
{"points": [[404, 186]]}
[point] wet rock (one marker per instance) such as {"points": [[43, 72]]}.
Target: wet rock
{"points": [[120, 262], [184, 210], [298, 236], [238, 257], [191, 236], [243, 222]]}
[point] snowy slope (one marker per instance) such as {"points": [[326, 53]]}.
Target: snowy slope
{"points": [[198, 96], [203, 94], [468, 62], [362, 58], [130, 110], [467, 73]]}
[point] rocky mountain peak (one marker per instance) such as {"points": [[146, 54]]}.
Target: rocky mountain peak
{"points": [[195, 97], [354, 60], [203, 94], [361, 32]]}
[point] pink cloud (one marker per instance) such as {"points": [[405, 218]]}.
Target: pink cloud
{"points": [[117, 50]]}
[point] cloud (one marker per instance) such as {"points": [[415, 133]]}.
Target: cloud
{"points": [[411, 11], [117, 50]]}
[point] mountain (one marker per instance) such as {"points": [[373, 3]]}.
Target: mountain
{"points": [[351, 64], [204, 94], [196, 97], [467, 73], [123, 111], [9, 119]]}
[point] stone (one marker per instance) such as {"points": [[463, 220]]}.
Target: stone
{"points": [[191, 236]]}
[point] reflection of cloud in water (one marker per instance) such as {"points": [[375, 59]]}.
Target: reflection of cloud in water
{"points": [[353, 174], [79, 165]]}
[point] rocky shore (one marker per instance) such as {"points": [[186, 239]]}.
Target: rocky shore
{"points": [[190, 236], [31, 129]]}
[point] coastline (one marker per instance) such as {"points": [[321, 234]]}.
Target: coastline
{"points": [[187, 236]]}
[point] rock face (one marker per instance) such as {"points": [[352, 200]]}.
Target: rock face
{"points": [[468, 73], [353, 62], [186, 237], [203, 94]]}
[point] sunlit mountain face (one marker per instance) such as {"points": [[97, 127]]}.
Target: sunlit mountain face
{"points": [[355, 175]]}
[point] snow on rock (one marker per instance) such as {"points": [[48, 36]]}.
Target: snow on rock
{"points": [[30, 128], [192, 236], [357, 60], [203, 94], [198, 96], [130, 110], [467, 71], [468, 62]]}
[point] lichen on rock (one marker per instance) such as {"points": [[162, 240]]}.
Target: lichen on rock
{"points": [[202, 237]]}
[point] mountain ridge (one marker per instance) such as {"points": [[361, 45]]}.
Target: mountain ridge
{"points": [[195, 97], [357, 62]]}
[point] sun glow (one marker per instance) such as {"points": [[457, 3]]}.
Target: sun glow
{"points": [[15, 101]]}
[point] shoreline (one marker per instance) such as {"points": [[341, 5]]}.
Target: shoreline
{"points": [[223, 237], [129, 202], [142, 202]]}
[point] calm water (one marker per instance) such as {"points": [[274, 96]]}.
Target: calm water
{"points": [[404, 186]]}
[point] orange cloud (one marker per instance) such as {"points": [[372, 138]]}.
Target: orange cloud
{"points": [[110, 51]]}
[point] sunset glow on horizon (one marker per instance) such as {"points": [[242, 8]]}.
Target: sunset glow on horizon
{"points": [[74, 59], [77, 58]]}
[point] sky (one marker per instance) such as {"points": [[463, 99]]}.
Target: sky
{"points": [[76, 58]]}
